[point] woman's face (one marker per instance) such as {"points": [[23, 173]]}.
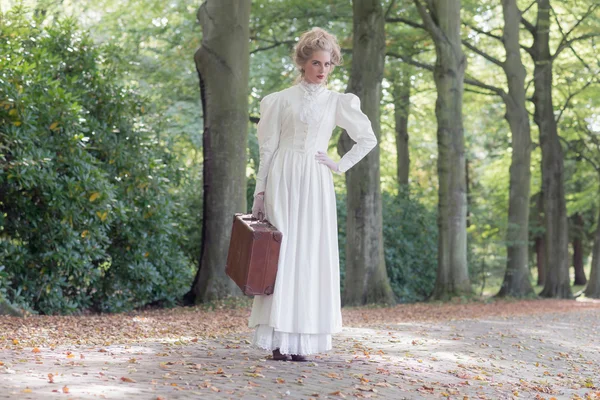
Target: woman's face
{"points": [[318, 67]]}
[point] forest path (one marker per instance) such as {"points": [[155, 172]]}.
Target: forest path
{"points": [[548, 349]]}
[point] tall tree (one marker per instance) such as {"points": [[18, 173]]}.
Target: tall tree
{"points": [[591, 154], [366, 276], [442, 20], [593, 287], [222, 63], [401, 94], [516, 279], [557, 282]]}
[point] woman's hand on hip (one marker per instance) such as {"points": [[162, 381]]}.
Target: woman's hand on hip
{"points": [[323, 158]]}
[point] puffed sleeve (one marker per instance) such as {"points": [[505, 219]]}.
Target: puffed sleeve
{"points": [[268, 131], [350, 117]]}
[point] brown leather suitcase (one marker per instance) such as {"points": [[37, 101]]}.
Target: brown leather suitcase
{"points": [[253, 254]]}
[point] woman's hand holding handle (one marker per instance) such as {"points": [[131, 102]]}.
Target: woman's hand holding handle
{"points": [[258, 207]]}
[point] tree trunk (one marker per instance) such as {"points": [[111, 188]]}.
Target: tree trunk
{"points": [[401, 94], [7, 309], [222, 63], [593, 288], [557, 282], [540, 252], [442, 20], [516, 279], [539, 237], [366, 275], [577, 242], [468, 188]]}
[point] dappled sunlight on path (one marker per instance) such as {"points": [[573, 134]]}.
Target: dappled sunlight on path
{"points": [[504, 350]]}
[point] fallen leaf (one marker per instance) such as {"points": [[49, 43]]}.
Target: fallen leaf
{"points": [[126, 379]]}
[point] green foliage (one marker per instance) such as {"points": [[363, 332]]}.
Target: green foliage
{"points": [[410, 245], [86, 203], [410, 238]]}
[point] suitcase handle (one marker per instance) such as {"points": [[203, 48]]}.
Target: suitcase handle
{"points": [[256, 219]]}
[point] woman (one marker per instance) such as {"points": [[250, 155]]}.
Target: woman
{"points": [[294, 191]]}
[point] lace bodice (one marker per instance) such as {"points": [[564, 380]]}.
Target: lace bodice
{"points": [[310, 112]]}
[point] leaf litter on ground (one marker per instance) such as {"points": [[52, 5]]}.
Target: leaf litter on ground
{"points": [[188, 324]]}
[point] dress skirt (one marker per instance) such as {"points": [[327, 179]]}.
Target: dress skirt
{"points": [[304, 309]]}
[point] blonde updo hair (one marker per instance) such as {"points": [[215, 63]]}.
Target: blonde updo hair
{"points": [[316, 39]]}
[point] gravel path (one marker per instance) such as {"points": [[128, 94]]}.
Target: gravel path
{"points": [[542, 356]]}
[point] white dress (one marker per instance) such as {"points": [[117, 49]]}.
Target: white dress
{"points": [[304, 309]]}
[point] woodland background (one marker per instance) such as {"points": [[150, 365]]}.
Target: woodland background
{"points": [[120, 173]]}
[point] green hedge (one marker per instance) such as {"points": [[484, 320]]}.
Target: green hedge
{"points": [[410, 237], [86, 203]]}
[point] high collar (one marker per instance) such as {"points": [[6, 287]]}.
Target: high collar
{"points": [[311, 88]]}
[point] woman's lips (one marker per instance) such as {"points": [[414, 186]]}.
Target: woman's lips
{"points": [[320, 76]]}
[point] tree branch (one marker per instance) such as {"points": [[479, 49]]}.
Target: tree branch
{"points": [[528, 25], [428, 22], [476, 82], [568, 43], [389, 10], [587, 130], [571, 95], [564, 43], [529, 6], [483, 54], [481, 31], [481, 93], [275, 43], [471, 81], [410, 61], [407, 22], [580, 154]]}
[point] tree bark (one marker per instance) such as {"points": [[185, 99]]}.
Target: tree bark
{"points": [[539, 237], [577, 243], [8, 309], [540, 251], [593, 288], [468, 188], [442, 20], [366, 276], [557, 282], [401, 93], [516, 279], [222, 63]]}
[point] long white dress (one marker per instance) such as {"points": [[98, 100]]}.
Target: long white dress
{"points": [[304, 309]]}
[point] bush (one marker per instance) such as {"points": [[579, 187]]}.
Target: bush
{"points": [[410, 241], [86, 205], [410, 245]]}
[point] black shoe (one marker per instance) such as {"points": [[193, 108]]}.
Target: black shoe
{"points": [[277, 356]]}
